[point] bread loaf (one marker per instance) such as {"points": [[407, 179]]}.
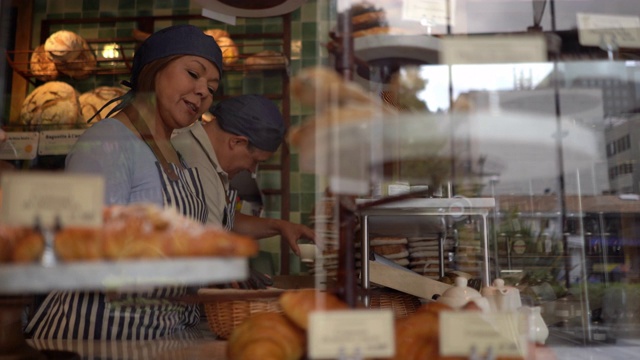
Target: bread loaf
{"points": [[53, 103], [82, 66], [147, 231], [297, 305], [266, 336], [230, 52], [42, 67], [266, 58], [217, 33], [64, 45], [94, 100], [229, 49]]}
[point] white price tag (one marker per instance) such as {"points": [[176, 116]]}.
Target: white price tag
{"points": [[608, 30], [58, 142], [75, 199], [351, 334], [489, 49], [465, 332], [19, 146], [429, 12]]}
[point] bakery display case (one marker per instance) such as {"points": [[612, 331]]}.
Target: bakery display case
{"points": [[446, 139]]}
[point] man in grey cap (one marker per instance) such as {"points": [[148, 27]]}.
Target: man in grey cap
{"points": [[246, 131]]}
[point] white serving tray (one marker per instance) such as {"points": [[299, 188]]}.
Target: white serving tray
{"points": [[120, 275]]}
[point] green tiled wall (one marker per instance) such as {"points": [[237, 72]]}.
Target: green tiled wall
{"points": [[309, 29]]}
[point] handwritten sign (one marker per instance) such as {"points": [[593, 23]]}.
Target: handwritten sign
{"points": [[74, 199], [490, 49], [608, 30], [433, 12], [463, 333], [351, 334]]}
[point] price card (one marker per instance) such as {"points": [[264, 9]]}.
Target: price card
{"points": [[489, 49], [75, 199], [57, 142], [19, 146], [606, 30], [463, 333], [351, 334], [432, 12]]}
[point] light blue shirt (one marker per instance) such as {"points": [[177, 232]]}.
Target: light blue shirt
{"points": [[128, 165]]}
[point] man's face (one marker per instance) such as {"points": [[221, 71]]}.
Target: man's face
{"points": [[246, 157]]}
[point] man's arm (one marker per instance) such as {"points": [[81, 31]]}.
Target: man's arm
{"points": [[261, 228]]}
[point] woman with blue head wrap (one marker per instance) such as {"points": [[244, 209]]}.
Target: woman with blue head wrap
{"points": [[174, 75]]}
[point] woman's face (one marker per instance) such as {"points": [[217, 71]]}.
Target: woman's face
{"points": [[184, 90]]}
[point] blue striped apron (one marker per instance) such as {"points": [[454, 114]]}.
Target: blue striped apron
{"points": [[90, 315]]}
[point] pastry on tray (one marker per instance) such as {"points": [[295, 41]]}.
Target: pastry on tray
{"points": [[137, 231], [147, 231]]}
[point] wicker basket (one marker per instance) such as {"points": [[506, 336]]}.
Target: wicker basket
{"points": [[227, 308], [401, 303]]}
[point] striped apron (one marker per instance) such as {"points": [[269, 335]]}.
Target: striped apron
{"points": [[135, 316], [230, 194]]}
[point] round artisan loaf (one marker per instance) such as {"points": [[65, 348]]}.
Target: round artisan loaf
{"points": [[217, 33], [53, 103], [43, 68], [230, 52], [82, 66], [93, 100], [64, 45]]}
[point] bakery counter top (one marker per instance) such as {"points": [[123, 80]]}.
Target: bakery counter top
{"points": [[202, 346], [206, 346]]}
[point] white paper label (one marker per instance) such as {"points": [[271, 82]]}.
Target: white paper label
{"points": [[19, 146], [463, 333], [57, 142], [75, 199], [351, 334], [428, 12], [608, 30], [482, 49]]}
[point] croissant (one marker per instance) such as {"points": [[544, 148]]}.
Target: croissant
{"points": [[20, 244], [147, 231], [266, 336], [297, 305], [417, 335]]}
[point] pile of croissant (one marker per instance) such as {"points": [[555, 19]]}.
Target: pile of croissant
{"points": [[136, 231], [282, 336]]}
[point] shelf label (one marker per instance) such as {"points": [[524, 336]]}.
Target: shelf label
{"points": [[608, 30], [19, 146], [467, 333], [429, 12], [74, 199], [58, 142], [346, 334], [490, 49]]}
